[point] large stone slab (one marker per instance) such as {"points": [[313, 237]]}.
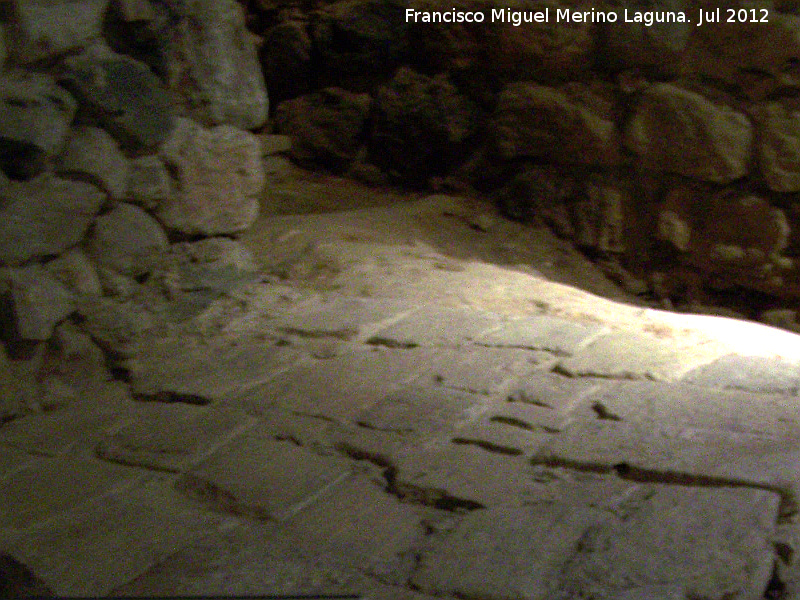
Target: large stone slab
{"points": [[258, 476], [171, 437], [711, 543], [379, 534], [436, 326], [626, 355], [323, 387], [57, 484], [35, 115], [191, 370], [45, 217], [73, 428], [476, 369], [749, 373], [339, 317], [420, 411], [505, 553], [239, 559], [99, 545], [462, 476]]}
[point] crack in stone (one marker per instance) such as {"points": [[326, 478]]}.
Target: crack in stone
{"points": [[391, 343], [787, 508], [512, 422], [488, 446]]}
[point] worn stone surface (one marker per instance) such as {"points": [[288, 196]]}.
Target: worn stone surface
{"points": [[123, 94], [35, 115], [126, 240], [505, 552], [143, 524], [40, 29], [170, 437], [706, 542], [379, 535], [67, 430], [34, 301], [634, 356], [678, 130], [748, 373], [463, 476], [453, 326], [316, 387], [57, 484], [91, 153], [213, 68], [44, 217], [570, 125], [218, 176], [420, 411], [729, 436], [187, 369], [542, 332], [238, 559], [256, 475], [479, 370]]}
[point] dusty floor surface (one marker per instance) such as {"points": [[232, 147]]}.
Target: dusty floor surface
{"points": [[419, 399]]}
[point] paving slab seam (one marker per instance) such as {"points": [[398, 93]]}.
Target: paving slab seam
{"points": [[788, 506]]}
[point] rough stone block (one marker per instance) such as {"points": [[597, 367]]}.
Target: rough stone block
{"points": [[219, 177], [35, 302], [92, 153], [127, 240], [44, 217], [43, 29]]}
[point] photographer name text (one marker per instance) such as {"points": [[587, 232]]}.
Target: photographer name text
{"points": [[647, 18]]}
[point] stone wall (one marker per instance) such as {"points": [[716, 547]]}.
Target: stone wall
{"points": [[127, 167]]}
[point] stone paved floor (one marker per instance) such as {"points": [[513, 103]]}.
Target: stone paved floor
{"points": [[398, 447]]}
